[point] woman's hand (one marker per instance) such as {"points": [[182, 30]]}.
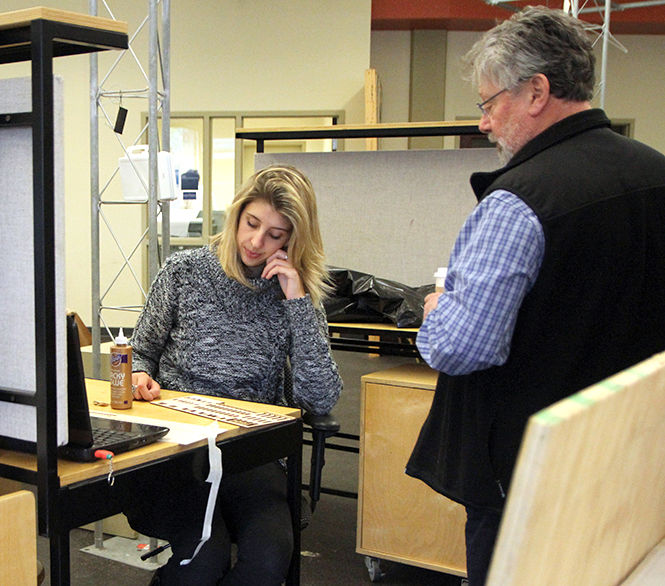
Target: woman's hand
{"points": [[289, 279], [144, 387]]}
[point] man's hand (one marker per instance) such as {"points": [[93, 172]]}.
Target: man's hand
{"points": [[431, 301]]}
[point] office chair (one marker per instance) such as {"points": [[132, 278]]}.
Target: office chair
{"points": [[320, 427]]}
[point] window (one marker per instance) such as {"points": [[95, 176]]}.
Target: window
{"points": [[212, 165]]}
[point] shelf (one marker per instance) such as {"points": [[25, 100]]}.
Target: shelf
{"points": [[39, 35], [373, 338], [71, 33], [441, 128]]}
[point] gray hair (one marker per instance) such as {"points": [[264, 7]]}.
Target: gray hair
{"points": [[536, 40]]}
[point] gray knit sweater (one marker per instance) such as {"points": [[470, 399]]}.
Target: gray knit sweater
{"points": [[202, 332]]}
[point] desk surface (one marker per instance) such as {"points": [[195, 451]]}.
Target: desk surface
{"points": [[412, 376], [24, 17], [72, 472], [373, 338], [433, 128], [364, 327]]}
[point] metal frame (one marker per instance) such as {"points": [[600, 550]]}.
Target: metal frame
{"points": [[41, 41], [360, 131], [350, 338], [606, 8], [158, 100]]}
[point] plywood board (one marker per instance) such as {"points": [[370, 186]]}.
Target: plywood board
{"points": [[651, 572], [18, 539], [372, 106], [401, 518], [587, 502], [26, 16], [392, 214]]}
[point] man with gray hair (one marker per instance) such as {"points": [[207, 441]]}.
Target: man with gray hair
{"points": [[556, 280]]}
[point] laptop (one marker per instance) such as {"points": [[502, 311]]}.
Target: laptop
{"points": [[88, 434]]}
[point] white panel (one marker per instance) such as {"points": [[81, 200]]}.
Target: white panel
{"points": [[17, 319]]}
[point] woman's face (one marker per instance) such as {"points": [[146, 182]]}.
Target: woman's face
{"points": [[261, 231]]}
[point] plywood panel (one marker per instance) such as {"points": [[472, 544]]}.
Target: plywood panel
{"points": [[372, 106], [18, 539], [587, 501], [651, 572], [27, 15], [400, 518]]}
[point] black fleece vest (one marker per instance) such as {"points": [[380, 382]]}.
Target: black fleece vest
{"points": [[597, 307]]}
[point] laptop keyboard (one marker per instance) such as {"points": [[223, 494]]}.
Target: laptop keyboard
{"points": [[111, 436]]}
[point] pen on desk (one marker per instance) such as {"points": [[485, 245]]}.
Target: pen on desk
{"points": [[156, 551]]}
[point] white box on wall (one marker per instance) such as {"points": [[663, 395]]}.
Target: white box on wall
{"points": [[134, 175]]}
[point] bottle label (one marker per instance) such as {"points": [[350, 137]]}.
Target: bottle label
{"points": [[117, 379], [117, 359]]}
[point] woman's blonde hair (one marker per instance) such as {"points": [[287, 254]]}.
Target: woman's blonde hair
{"points": [[291, 194]]}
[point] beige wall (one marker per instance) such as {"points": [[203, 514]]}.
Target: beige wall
{"points": [[391, 57], [225, 55], [277, 55], [635, 80]]}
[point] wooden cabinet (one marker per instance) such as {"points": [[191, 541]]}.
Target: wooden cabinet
{"points": [[400, 518]]}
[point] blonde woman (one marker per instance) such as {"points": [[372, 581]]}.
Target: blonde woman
{"points": [[225, 320]]}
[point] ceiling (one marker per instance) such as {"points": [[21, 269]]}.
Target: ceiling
{"points": [[476, 15]]}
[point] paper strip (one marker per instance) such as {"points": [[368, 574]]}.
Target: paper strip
{"points": [[214, 478]]}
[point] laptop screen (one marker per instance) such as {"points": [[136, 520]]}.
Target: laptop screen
{"points": [[80, 430]]}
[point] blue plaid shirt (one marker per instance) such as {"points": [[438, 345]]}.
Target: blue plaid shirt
{"points": [[493, 265]]}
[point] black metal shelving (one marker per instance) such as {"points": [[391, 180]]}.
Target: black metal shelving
{"points": [[407, 129], [40, 40]]}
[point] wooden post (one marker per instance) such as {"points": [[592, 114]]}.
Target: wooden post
{"points": [[372, 106]]}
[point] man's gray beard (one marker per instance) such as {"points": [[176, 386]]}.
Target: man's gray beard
{"points": [[504, 153]]}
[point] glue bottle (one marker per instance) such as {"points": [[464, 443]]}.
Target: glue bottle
{"points": [[440, 279], [121, 373]]}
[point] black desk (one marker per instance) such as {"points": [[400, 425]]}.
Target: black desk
{"points": [[373, 338], [83, 495], [368, 338], [40, 35]]}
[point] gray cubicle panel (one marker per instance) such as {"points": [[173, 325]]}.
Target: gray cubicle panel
{"points": [[393, 214], [17, 281]]}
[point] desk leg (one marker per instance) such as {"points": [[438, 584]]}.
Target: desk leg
{"points": [[294, 488], [59, 550]]}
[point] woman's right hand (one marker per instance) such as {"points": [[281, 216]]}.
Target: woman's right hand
{"points": [[289, 278], [144, 387]]}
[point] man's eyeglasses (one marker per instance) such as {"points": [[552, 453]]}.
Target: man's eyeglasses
{"points": [[481, 105]]}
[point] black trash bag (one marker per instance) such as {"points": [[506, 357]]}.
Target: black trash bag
{"points": [[359, 297]]}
